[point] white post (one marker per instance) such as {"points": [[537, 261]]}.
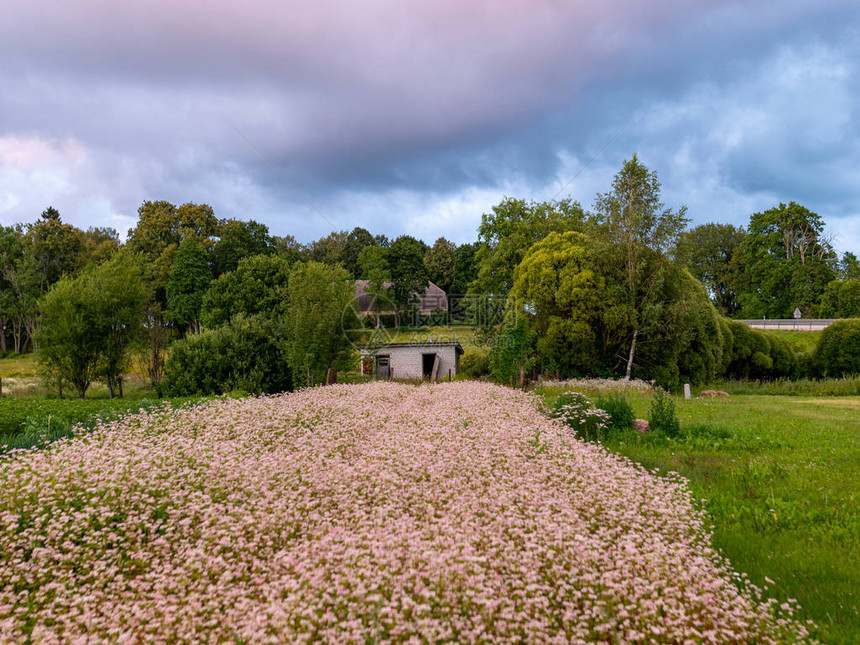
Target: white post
{"points": [[687, 394]]}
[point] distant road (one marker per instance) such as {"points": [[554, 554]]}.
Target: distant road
{"points": [[798, 324]]}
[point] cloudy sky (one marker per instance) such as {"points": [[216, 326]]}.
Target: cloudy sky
{"points": [[417, 116]]}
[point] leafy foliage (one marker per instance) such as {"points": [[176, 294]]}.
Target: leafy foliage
{"points": [[786, 263], [712, 254], [88, 322], [238, 240], [506, 234], [189, 279], [245, 354], [319, 319], [440, 261], [619, 409], [662, 418], [838, 351], [257, 286]]}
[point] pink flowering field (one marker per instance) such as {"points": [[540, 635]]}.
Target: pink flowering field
{"points": [[367, 513]]}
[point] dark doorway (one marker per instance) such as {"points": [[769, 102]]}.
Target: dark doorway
{"points": [[383, 367], [427, 365]]}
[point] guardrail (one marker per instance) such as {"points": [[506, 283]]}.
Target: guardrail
{"points": [[795, 324]]}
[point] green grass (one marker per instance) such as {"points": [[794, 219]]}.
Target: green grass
{"points": [[780, 477], [467, 336], [800, 341], [19, 366], [26, 422]]}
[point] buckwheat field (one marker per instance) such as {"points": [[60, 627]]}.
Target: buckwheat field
{"points": [[372, 513]]}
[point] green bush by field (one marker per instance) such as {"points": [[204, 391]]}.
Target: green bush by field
{"points": [[838, 351]]}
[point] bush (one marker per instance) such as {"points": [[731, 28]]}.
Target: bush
{"points": [[618, 408], [838, 350], [245, 354], [579, 413], [475, 364], [662, 418]]}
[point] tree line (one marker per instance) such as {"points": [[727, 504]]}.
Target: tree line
{"points": [[622, 289]]}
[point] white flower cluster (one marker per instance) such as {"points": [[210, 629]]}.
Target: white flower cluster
{"points": [[605, 384]]}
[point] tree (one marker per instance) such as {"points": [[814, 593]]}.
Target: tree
{"points": [[634, 219], [161, 228], [318, 321], [440, 261], [373, 265], [557, 289], [237, 240], [65, 343], [357, 240], [787, 262], [841, 299], [57, 247], [408, 273], [188, 282], [510, 230], [569, 290], [257, 286], [87, 323], [465, 268], [122, 307], [329, 249], [11, 252], [99, 244], [712, 254]]}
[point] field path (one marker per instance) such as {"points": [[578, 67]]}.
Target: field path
{"points": [[371, 513]]}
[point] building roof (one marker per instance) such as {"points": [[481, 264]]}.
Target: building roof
{"points": [[432, 299], [378, 348]]}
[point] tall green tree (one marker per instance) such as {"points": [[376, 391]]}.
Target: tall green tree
{"points": [[11, 252], [57, 247], [465, 268], [440, 261], [257, 286], [787, 261], [188, 282], [510, 230], [329, 249], [635, 221], [318, 320], [357, 240], [237, 240], [558, 290], [88, 322], [161, 228], [373, 267], [712, 254], [121, 302], [409, 276]]}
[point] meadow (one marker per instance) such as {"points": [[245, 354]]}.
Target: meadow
{"points": [[780, 476], [380, 512]]}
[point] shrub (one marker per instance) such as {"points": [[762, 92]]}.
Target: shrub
{"points": [[245, 354], [838, 350], [618, 408], [579, 413], [662, 418], [475, 364]]}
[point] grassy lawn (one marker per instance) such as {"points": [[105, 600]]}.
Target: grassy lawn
{"points": [[800, 341], [467, 336], [15, 366], [780, 476]]}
